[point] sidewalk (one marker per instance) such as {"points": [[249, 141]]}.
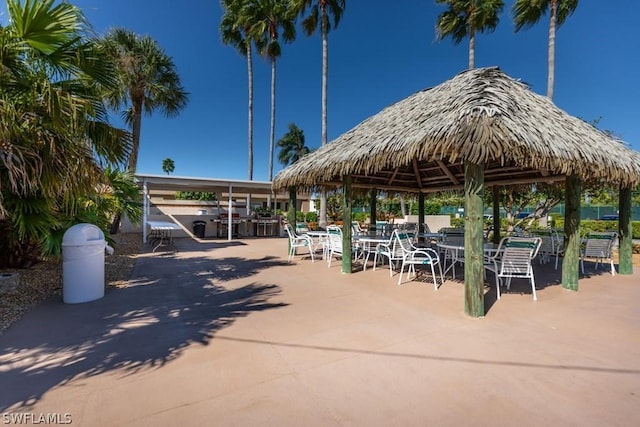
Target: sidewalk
{"points": [[229, 333]]}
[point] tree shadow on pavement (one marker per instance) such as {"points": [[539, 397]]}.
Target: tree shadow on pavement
{"points": [[172, 303]]}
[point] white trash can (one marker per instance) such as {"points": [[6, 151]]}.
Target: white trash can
{"points": [[83, 248]]}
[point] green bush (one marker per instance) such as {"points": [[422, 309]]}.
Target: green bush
{"points": [[311, 217], [430, 208], [588, 225], [360, 216], [195, 195]]}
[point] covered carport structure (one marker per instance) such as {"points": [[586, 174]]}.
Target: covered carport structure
{"points": [[480, 129], [150, 182]]}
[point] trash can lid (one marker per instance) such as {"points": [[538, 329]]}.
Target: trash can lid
{"points": [[83, 235], [199, 223]]}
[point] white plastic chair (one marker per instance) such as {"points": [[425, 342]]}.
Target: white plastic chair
{"points": [[599, 246], [454, 237], [548, 245], [513, 259], [334, 244], [391, 250], [298, 241], [412, 256]]}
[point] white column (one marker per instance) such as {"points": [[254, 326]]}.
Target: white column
{"points": [[145, 209], [230, 216]]}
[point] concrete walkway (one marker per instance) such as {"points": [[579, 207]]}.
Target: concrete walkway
{"points": [[223, 333]]}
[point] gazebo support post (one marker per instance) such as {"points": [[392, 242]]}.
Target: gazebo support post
{"points": [[473, 239], [346, 224], [291, 213], [421, 212], [373, 204], [571, 262], [496, 214], [625, 263]]}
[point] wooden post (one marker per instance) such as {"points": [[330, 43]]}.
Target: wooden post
{"points": [[291, 213], [625, 232], [473, 240], [373, 204], [571, 262], [421, 212], [346, 224], [496, 214]]}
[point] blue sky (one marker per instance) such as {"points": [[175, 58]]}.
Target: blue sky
{"points": [[378, 55]]}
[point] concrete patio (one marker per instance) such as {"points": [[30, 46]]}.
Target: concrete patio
{"points": [[229, 333]]}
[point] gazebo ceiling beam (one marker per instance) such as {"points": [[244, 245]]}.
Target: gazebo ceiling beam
{"points": [[393, 176], [416, 172], [447, 172], [358, 182]]}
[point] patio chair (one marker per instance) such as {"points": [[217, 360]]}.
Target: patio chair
{"points": [[356, 229], [334, 244], [513, 259], [599, 246], [453, 237], [302, 227], [412, 256], [390, 250], [298, 241], [548, 245]]}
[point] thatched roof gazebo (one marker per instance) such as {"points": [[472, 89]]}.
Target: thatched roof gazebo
{"points": [[481, 128]]}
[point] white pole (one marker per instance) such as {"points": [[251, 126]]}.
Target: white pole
{"points": [[230, 216], [145, 209]]}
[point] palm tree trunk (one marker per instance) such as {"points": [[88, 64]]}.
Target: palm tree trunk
{"points": [[135, 136], [552, 48], [322, 221], [273, 116], [472, 50], [250, 113]]}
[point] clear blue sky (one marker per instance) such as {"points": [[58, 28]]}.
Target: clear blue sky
{"points": [[381, 53]]}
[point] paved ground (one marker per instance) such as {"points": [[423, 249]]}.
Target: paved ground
{"points": [[231, 334]]}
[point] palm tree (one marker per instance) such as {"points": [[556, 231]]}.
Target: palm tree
{"points": [[527, 13], [148, 81], [237, 19], [273, 15], [54, 131], [465, 18], [292, 146], [321, 11], [168, 166]]}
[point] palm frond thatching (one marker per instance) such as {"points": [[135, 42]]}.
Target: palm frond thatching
{"points": [[482, 116]]}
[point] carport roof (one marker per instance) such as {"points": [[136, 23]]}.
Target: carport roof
{"points": [[213, 185]]}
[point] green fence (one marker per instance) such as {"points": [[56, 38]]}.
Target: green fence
{"points": [[587, 212]]}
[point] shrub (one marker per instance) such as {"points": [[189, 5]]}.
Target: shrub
{"points": [[596, 225], [360, 216], [195, 195], [311, 217]]}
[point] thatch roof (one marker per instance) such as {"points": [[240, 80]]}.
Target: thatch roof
{"points": [[482, 116]]}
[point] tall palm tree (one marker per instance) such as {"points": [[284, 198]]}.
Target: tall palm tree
{"points": [[321, 11], [148, 81], [292, 146], [237, 19], [527, 13], [54, 131], [465, 18], [273, 15]]}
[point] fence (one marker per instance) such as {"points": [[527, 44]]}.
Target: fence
{"points": [[586, 212]]}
